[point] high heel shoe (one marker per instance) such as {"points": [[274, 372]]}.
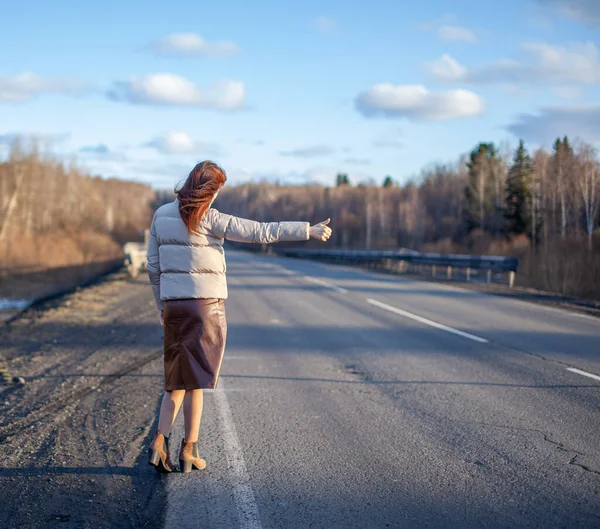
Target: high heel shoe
{"points": [[189, 458], [159, 454]]}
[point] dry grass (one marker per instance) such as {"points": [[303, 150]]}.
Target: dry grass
{"points": [[30, 252], [564, 267]]}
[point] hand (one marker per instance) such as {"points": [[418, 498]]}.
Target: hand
{"points": [[320, 231], [162, 318]]}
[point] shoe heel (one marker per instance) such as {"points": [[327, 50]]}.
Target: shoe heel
{"points": [[185, 466], [154, 458]]}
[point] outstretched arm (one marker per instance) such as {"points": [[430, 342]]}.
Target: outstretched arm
{"points": [[243, 230]]}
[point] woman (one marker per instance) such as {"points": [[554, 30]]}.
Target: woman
{"points": [[186, 265]]}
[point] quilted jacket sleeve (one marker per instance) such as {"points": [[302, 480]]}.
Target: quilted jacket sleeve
{"points": [[243, 230], [154, 266]]}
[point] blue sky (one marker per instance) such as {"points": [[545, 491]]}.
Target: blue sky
{"points": [[295, 91]]}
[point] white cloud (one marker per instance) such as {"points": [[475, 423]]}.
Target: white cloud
{"points": [[193, 45], [177, 142], [456, 34], [325, 24], [102, 152], [308, 152], [27, 85], [574, 63], [446, 30], [569, 92], [99, 149], [170, 89], [586, 11], [446, 69], [416, 103], [551, 122]]}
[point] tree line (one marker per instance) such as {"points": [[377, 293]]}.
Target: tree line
{"points": [[52, 213], [542, 207]]}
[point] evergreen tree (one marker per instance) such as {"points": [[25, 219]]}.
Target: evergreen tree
{"points": [[388, 182], [479, 193], [342, 179], [518, 193]]}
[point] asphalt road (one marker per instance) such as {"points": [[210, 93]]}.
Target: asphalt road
{"points": [[346, 399]]}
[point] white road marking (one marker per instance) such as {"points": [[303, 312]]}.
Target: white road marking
{"points": [[325, 284], [426, 321], [584, 373], [242, 490], [269, 266], [525, 304]]}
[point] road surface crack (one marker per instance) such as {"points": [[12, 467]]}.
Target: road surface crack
{"points": [[573, 460]]}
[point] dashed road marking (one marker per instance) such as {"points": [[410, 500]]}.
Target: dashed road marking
{"points": [[325, 284], [584, 373], [426, 321]]}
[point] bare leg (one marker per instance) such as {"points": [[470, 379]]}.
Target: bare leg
{"points": [[192, 413], [169, 408]]}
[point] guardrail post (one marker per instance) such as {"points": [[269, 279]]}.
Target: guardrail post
{"points": [[468, 274], [489, 276], [511, 279], [449, 272], [433, 270]]}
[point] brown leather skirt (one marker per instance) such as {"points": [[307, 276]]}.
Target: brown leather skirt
{"points": [[195, 334]]}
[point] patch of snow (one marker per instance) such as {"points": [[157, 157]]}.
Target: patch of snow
{"points": [[14, 304]]}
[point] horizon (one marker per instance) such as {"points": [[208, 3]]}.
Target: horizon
{"points": [[296, 93]]}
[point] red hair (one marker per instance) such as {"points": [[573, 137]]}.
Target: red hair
{"points": [[198, 191]]}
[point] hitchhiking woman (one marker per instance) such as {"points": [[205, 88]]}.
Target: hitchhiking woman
{"points": [[186, 265]]}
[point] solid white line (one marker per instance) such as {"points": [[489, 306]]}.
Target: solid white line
{"points": [[325, 284], [242, 490], [584, 373], [426, 321]]}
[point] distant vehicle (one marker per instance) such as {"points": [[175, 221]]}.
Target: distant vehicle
{"points": [[135, 256]]}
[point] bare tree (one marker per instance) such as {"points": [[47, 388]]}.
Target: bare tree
{"points": [[588, 176]]}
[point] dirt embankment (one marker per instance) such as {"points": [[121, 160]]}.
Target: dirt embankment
{"points": [[37, 267]]}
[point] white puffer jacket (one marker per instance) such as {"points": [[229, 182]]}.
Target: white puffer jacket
{"points": [[181, 266]]}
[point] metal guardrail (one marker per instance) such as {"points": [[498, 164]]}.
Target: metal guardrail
{"points": [[398, 260]]}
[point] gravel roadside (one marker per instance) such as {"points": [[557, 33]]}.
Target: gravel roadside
{"points": [[74, 434]]}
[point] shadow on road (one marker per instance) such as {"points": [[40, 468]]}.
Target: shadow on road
{"points": [[417, 382]]}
